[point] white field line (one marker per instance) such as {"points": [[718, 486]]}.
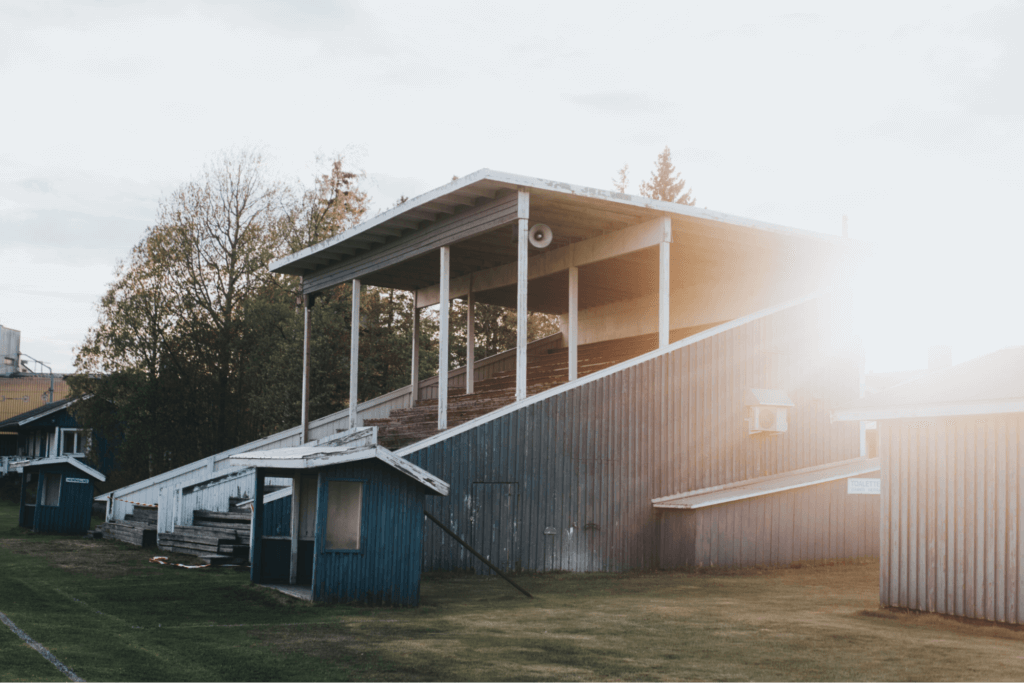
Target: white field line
{"points": [[40, 649]]}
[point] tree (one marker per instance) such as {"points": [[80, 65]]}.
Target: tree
{"points": [[198, 346], [621, 181], [664, 183]]}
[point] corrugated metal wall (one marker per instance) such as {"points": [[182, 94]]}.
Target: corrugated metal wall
{"points": [[588, 460], [820, 522], [952, 516], [73, 512]]}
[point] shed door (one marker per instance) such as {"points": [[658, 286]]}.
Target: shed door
{"points": [[495, 523]]}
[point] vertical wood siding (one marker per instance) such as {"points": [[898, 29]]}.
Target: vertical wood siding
{"points": [[386, 569], [588, 460], [73, 512], [811, 523], [951, 516]]}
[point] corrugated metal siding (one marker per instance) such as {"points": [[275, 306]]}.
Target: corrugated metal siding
{"points": [[387, 569], [588, 460], [818, 522], [952, 515], [73, 512], [21, 394]]}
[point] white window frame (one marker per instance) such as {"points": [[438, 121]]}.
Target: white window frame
{"points": [[44, 500]]}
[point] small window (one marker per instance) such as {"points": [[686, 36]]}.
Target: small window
{"points": [[75, 442], [344, 514], [51, 490]]}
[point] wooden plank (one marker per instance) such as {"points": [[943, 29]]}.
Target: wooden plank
{"points": [[937, 446], [904, 515], [574, 317], [353, 368], [293, 570], [961, 520], [442, 357], [664, 275], [470, 339], [989, 510], [307, 304], [415, 378], [522, 276]]}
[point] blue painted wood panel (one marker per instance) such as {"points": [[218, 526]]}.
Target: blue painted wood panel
{"points": [[73, 513], [277, 517], [386, 568], [587, 461]]}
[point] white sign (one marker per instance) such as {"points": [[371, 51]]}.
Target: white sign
{"points": [[75, 480], [870, 487]]}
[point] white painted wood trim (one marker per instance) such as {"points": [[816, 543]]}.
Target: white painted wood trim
{"points": [[664, 274], [593, 377], [957, 409], [414, 382], [442, 356], [470, 338], [307, 321], [293, 569], [574, 321], [625, 241], [353, 368], [522, 276]]}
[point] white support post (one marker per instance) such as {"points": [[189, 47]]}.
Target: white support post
{"points": [[442, 357], [293, 570], [307, 315], [522, 275], [574, 315], [664, 268], [353, 367], [470, 339], [415, 381]]}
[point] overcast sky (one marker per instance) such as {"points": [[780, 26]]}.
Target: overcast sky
{"points": [[907, 118]]}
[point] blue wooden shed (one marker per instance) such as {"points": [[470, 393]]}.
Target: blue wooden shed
{"points": [[56, 494], [355, 527]]}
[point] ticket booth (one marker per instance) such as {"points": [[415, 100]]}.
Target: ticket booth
{"points": [[56, 494], [354, 528]]}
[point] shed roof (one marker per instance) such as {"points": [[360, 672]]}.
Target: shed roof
{"points": [[763, 486], [37, 413], [476, 215], [991, 384], [62, 460], [313, 456]]}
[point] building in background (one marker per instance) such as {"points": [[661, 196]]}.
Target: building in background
{"points": [[21, 389], [950, 446]]}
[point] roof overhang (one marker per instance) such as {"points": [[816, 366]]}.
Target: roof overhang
{"points": [[62, 460], [951, 409], [477, 216], [763, 486], [314, 457]]}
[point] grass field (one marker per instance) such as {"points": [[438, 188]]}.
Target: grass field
{"points": [[109, 614]]}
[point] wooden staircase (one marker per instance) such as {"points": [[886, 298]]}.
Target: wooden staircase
{"points": [[214, 537], [543, 371]]}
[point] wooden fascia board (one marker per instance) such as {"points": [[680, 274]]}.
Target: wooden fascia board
{"points": [[953, 409], [743, 490], [479, 219], [62, 460], [642, 236]]}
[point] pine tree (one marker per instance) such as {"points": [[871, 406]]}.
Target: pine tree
{"points": [[665, 184], [621, 181]]}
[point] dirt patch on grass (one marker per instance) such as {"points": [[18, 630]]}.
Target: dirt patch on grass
{"points": [[961, 626], [89, 556]]}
